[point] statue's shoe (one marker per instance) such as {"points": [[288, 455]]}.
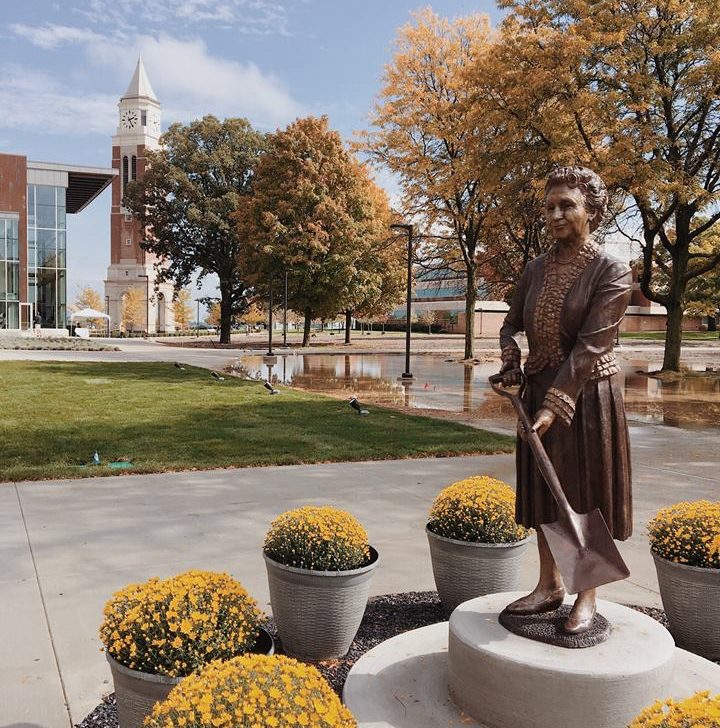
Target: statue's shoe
{"points": [[536, 604], [580, 623]]}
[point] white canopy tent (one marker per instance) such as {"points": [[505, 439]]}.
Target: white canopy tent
{"points": [[88, 313]]}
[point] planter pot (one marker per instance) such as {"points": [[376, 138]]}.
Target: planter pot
{"points": [[465, 570], [137, 692], [318, 613], [691, 599]]}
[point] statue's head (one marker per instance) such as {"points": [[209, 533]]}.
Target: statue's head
{"points": [[588, 184]]}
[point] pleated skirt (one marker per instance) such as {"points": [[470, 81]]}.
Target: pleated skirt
{"points": [[591, 457]]}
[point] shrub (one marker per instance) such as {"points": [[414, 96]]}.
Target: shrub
{"points": [[699, 711], [173, 626], [318, 538], [688, 533], [479, 509], [252, 690]]}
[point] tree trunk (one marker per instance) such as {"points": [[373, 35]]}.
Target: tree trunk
{"points": [[673, 338], [225, 313], [306, 327], [470, 300], [348, 324]]}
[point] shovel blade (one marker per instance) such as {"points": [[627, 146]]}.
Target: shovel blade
{"points": [[584, 551]]}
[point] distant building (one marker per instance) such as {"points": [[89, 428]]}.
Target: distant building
{"points": [[35, 198], [130, 266]]}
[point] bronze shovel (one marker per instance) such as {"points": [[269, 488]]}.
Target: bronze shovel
{"points": [[580, 543]]}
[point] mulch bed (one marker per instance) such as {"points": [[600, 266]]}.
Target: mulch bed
{"points": [[385, 617]]}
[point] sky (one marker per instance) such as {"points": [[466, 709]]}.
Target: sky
{"points": [[64, 66]]}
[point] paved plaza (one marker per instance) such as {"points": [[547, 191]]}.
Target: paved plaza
{"points": [[67, 545]]}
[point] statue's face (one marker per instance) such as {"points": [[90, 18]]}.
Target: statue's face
{"points": [[566, 216]]}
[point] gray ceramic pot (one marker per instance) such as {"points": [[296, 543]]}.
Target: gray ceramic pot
{"points": [[137, 692], [318, 613], [691, 599], [464, 570]]}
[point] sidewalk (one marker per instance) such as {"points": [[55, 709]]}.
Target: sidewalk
{"points": [[67, 545]]}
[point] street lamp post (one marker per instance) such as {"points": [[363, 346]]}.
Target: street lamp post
{"points": [[270, 327], [147, 302], [285, 307], [197, 317], [408, 315]]}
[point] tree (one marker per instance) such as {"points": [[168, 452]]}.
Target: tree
{"points": [[427, 317], [88, 297], [423, 134], [185, 201], [134, 309], [182, 308], [315, 213], [630, 88], [212, 317]]}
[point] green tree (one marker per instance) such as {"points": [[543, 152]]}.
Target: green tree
{"points": [[316, 213], [185, 201], [630, 88]]}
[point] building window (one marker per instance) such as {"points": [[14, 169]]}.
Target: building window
{"points": [[47, 276], [143, 118], [134, 167], [9, 273], [124, 173], [128, 217], [128, 242]]}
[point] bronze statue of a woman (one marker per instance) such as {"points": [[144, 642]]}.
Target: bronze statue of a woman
{"points": [[570, 302]]}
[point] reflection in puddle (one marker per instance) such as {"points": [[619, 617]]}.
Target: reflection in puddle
{"points": [[440, 384]]}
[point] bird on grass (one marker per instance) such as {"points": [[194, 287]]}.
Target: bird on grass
{"points": [[270, 388], [216, 376], [178, 365], [356, 406]]}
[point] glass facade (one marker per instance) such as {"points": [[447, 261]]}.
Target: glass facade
{"points": [[9, 272], [47, 268]]}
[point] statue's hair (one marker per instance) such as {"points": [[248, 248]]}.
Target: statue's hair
{"points": [[588, 182]]}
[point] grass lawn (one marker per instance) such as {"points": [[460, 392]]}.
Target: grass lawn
{"points": [[56, 415], [660, 335]]}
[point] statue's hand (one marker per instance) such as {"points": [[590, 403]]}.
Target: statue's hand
{"points": [[543, 420], [511, 374]]}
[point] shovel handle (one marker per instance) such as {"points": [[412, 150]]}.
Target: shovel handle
{"points": [[541, 457]]}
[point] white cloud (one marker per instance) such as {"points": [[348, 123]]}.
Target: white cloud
{"points": [[53, 36], [261, 17], [34, 101], [190, 82]]}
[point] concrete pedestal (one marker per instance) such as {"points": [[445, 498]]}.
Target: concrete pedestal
{"points": [[506, 680], [403, 682]]}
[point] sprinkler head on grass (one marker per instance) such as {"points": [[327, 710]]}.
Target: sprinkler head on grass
{"points": [[356, 406]]}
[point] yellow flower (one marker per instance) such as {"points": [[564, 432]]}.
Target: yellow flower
{"points": [[318, 538], [480, 509], [252, 690], [699, 711], [173, 626], [688, 533]]}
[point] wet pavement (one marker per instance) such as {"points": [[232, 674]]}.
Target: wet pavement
{"points": [[450, 385]]}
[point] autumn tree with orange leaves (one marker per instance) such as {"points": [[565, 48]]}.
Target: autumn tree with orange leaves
{"points": [[630, 88], [423, 134], [316, 213]]}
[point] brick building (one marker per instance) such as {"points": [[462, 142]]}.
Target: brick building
{"points": [[35, 198]]}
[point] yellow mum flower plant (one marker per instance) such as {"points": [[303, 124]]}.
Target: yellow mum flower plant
{"points": [[480, 509], [699, 711], [320, 538], [173, 626], [688, 533], [252, 691]]}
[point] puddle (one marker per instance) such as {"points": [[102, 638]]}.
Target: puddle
{"points": [[455, 387]]}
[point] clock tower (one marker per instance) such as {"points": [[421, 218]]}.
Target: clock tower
{"points": [[130, 266]]}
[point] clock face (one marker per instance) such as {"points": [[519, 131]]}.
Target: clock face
{"points": [[129, 119], [154, 123]]}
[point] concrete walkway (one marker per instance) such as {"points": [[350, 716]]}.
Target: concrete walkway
{"points": [[68, 545]]}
